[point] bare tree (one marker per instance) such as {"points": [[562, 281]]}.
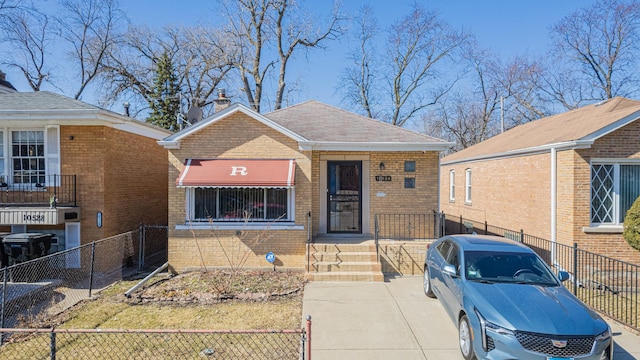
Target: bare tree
{"points": [[469, 117], [416, 45], [91, 28], [358, 80], [263, 27], [413, 68], [200, 55], [520, 85], [248, 27], [7, 6], [599, 46], [294, 30], [28, 32], [205, 61]]}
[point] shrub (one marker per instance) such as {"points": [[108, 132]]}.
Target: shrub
{"points": [[632, 225]]}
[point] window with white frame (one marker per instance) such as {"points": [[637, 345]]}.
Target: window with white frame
{"points": [[614, 188], [239, 204], [3, 178], [467, 192], [452, 185], [27, 157]]}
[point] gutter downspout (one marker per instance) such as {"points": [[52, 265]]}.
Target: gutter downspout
{"points": [[554, 206], [439, 182]]}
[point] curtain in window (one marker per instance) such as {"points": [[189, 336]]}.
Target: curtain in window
{"points": [[629, 187]]}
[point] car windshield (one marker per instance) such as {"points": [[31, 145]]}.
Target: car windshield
{"points": [[512, 267]]}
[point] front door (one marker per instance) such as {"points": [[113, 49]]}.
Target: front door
{"points": [[72, 241], [344, 196]]}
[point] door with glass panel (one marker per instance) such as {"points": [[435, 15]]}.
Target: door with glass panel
{"points": [[344, 196]]}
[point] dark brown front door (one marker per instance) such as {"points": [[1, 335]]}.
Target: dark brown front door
{"points": [[344, 198]]}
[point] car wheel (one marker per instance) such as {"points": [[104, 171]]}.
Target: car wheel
{"points": [[426, 283], [464, 336]]}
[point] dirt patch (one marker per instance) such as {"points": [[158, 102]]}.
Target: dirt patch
{"points": [[221, 285]]}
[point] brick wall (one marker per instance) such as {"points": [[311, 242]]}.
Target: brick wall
{"points": [[119, 173], [620, 144], [403, 258], [512, 193], [423, 199], [237, 136]]}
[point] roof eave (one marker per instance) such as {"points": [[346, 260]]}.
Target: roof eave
{"points": [[568, 145], [174, 140], [83, 117], [373, 146]]}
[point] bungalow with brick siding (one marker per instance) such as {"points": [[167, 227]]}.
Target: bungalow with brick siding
{"points": [[77, 171], [243, 184], [568, 178]]}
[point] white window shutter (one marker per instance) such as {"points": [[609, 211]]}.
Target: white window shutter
{"points": [[52, 151]]}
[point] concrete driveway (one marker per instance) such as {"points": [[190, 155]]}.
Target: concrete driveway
{"points": [[395, 320]]}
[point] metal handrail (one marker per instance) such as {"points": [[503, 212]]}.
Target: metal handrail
{"points": [[51, 190], [377, 237]]}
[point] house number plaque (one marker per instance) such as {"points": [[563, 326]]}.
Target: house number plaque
{"points": [[383, 178]]}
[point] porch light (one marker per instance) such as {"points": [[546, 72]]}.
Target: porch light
{"points": [[381, 165]]}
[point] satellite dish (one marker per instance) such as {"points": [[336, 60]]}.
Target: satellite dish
{"points": [[194, 115]]}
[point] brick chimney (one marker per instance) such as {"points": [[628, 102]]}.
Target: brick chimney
{"points": [[221, 102], [5, 86]]}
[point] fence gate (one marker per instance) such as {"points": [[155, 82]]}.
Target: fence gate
{"points": [[153, 249]]}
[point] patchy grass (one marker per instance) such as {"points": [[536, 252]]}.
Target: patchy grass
{"points": [[215, 300], [196, 300]]}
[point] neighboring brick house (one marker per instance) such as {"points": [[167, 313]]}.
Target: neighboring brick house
{"points": [[242, 184], [77, 171], [568, 178]]}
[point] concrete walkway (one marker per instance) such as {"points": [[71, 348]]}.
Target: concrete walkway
{"points": [[395, 320]]}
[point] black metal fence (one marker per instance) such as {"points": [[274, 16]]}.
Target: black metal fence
{"points": [[607, 285], [33, 291], [406, 226], [53, 190], [154, 344]]}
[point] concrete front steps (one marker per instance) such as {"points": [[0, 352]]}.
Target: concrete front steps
{"points": [[344, 262]]}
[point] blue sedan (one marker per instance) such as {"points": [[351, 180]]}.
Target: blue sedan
{"points": [[508, 304]]}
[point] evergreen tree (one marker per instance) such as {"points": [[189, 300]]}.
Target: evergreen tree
{"points": [[164, 100], [632, 225]]}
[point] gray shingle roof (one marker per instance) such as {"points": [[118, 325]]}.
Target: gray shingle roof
{"points": [[321, 122], [40, 101]]}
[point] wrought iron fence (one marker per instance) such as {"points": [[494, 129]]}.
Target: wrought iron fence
{"points": [[54, 190], [607, 285], [154, 344], [33, 291], [406, 226]]}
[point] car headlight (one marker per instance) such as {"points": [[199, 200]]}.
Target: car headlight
{"points": [[605, 335], [487, 325]]}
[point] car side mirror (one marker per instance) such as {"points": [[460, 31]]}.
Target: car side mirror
{"points": [[563, 275], [450, 269]]}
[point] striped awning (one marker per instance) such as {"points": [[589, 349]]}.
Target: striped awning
{"points": [[237, 173]]}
